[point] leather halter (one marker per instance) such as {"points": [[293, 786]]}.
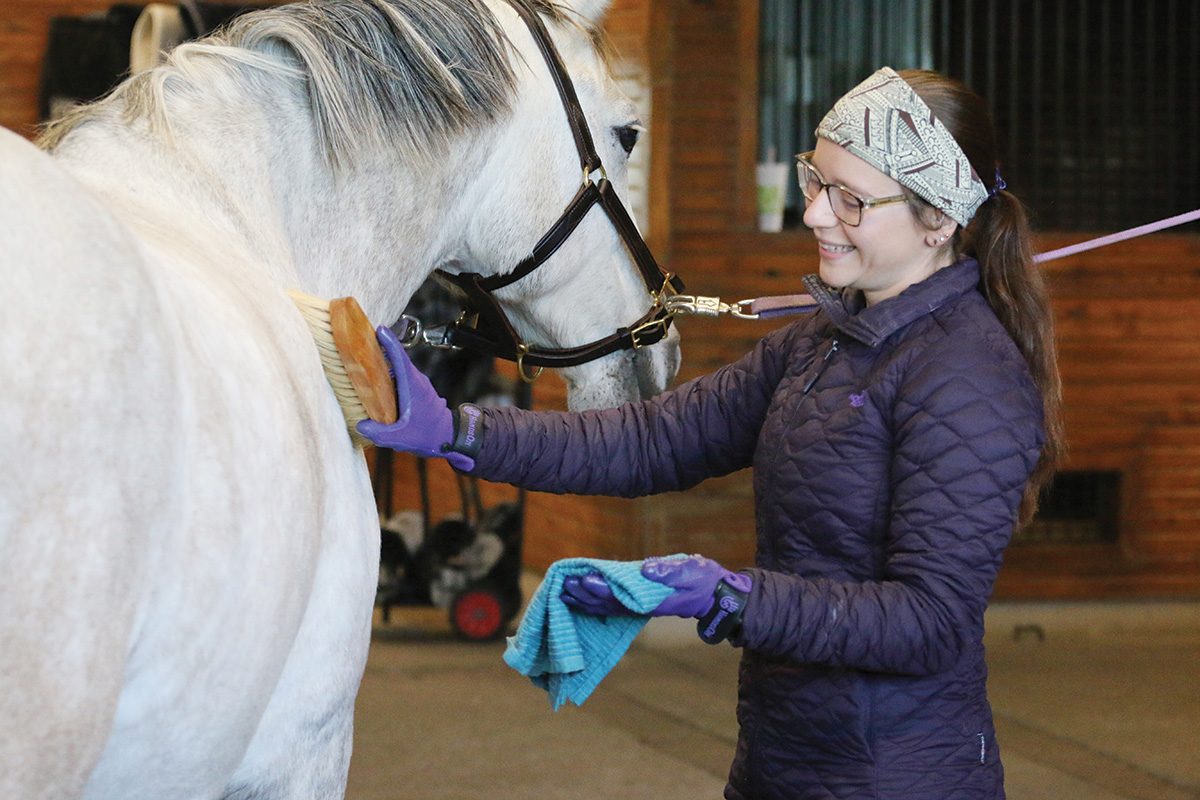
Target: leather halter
{"points": [[485, 327]]}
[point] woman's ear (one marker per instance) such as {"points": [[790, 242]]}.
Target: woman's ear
{"points": [[943, 232]]}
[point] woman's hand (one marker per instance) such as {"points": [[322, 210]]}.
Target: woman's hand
{"points": [[694, 579], [424, 425]]}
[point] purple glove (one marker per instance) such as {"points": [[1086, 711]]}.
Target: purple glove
{"points": [[591, 594], [694, 579], [424, 425]]}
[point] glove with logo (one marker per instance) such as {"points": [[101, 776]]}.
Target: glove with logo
{"points": [[425, 426], [703, 589]]}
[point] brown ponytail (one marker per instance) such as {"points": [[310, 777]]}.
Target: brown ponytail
{"points": [[998, 237]]}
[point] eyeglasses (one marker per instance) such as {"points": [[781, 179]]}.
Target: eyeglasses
{"points": [[846, 205]]}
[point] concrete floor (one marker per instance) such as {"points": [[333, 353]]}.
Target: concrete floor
{"points": [[1093, 702]]}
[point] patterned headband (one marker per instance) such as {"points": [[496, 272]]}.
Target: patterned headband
{"points": [[885, 123]]}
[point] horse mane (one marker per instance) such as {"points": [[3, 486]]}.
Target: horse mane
{"points": [[411, 74]]}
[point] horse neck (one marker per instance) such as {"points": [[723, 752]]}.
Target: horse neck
{"points": [[244, 173], [377, 224], [376, 228], [204, 186]]}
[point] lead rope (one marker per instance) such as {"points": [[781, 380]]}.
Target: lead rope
{"points": [[786, 304], [780, 305], [1169, 222]]}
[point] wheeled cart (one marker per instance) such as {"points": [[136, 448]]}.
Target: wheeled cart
{"points": [[469, 561]]}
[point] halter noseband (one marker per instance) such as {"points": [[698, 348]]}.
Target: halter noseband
{"points": [[485, 327]]}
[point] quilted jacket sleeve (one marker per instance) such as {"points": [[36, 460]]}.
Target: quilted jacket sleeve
{"points": [[967, 433], [704, 428]]}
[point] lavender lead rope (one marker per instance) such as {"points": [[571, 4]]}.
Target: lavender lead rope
{"points": [[1071, 250]]}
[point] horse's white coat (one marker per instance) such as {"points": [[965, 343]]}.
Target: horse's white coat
{"points": [[188, 541]]}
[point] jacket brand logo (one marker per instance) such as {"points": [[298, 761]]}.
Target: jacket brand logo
{"points": [[856, 400]]}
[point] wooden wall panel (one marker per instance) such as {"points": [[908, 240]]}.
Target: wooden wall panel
{"points": [[1128, 328]]}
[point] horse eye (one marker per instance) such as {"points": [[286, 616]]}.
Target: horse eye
{"points": [[627, 135]]}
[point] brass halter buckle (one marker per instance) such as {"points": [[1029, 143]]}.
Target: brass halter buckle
{"points": [[655, 328]]}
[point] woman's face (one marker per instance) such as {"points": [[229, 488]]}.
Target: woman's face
{"points": [[889, 250]]}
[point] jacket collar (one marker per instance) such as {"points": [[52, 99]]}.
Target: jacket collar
{"points": [[872, 324]]}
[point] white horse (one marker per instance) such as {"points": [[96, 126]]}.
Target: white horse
{"points": [[188, 540]]}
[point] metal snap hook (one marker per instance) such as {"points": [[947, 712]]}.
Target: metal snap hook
{"points": [[741, 310], [414, 331], [438, 338]]}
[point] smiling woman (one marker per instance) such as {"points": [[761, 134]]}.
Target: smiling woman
{"points": [[897, 435]]}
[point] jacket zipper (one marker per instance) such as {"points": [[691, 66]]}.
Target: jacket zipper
{"points": [[833, 346]]}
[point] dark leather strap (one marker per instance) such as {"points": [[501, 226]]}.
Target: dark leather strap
{"points": [[653, 275], [566, 224], [588, 158], [587, 196], [648, 330], [485, 327]]}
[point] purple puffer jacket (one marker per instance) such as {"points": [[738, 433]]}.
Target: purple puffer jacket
{"points": [[891, 446]]}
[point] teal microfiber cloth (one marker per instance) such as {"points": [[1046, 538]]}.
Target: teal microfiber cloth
{"points": [[566, 652]]}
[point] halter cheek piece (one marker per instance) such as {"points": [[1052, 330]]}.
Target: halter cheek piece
{"points": [[485, 327]]}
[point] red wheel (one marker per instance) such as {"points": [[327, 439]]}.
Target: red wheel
{"points": [[477, 614]]}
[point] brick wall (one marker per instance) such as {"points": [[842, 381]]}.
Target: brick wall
{"points": [[1128, 337]]}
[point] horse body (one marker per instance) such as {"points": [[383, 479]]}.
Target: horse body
{"points": [[217, 535], [188, 540]]}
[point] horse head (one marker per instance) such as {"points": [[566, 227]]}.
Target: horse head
{"points": [[586, 284], [590, 286], [498, 149]]}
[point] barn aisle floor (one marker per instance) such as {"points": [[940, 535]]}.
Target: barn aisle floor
{"points": [[1093, 702]]}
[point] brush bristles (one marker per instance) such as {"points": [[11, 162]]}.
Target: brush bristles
{"points": [[316, 315]]}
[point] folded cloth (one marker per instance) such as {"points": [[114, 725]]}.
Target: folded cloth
{"points": [[568, 652]]}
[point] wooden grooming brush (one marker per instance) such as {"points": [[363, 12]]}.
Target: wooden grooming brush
{"points": [[353, 360]]}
